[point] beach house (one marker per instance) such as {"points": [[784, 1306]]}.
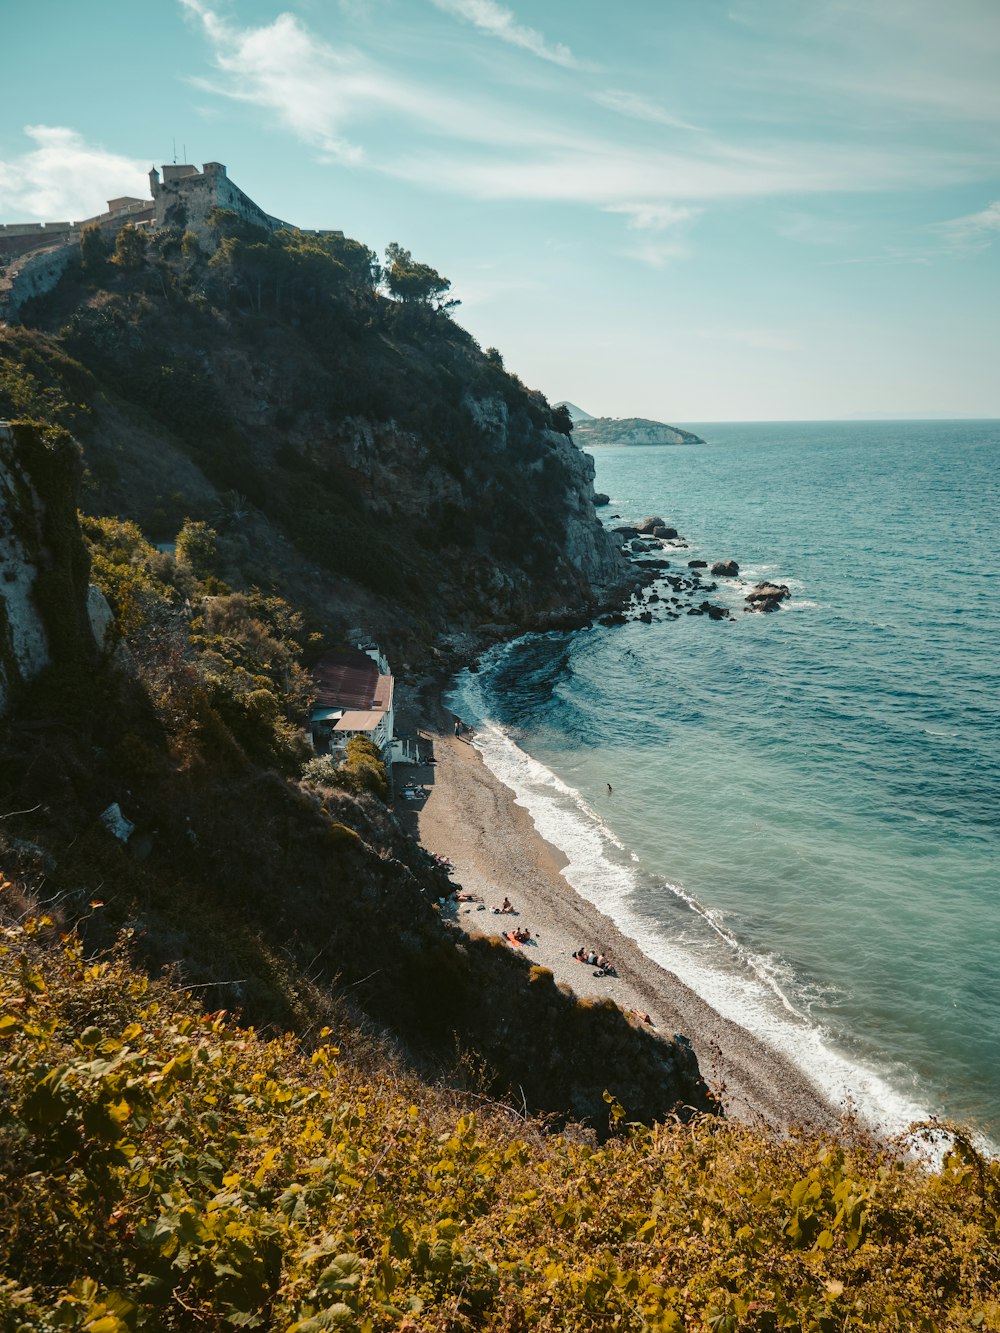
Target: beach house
{"points": [[354, 693]]}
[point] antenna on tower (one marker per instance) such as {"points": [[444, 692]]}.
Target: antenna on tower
{"points": [[175, 152], [185, 152]]}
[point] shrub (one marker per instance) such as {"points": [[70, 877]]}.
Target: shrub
{"points": [[162, 1168]]}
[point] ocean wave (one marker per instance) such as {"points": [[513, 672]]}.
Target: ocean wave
{"points": [[759, 992]]}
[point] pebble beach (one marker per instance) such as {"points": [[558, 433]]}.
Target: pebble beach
{"points": [[471, 819]]}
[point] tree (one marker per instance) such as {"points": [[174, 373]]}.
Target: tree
{"points": [[130, 247], [561, 420], [415, 283], [93, 248], [198, 548]]}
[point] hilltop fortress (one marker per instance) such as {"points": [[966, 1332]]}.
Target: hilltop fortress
{"points": [[34, 255]]}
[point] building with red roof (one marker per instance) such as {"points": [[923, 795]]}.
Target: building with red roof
{"points": [[354, 697]]}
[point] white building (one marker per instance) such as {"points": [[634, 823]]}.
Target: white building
{"points": [[354, 697]]}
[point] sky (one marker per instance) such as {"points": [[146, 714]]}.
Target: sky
{"points": [[689, 210]]}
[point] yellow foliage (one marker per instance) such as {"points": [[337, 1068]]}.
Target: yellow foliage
{"points": [[169, 1170]]}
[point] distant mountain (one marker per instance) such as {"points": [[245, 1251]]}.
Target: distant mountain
{"points": [[628, 430], [576, 413]]}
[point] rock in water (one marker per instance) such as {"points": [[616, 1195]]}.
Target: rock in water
{"points": [[767, 596]]}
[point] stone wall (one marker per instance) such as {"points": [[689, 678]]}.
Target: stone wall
{"points": [[18, 238], [186, 196]]}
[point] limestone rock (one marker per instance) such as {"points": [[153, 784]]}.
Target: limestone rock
{"points": [[101, 618], [115, 822]]}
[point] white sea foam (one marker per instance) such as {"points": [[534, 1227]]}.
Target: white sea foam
{"points": [[754, 990]]}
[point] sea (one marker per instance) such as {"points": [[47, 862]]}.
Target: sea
{"points": [[804, 815]]}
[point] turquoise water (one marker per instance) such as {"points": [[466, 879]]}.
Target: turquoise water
{"points": [[805, 814]]}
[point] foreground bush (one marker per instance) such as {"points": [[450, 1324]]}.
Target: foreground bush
{"points": [[161, 1168]]}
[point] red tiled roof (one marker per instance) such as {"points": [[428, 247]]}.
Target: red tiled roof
{"points": [[346, 680]]}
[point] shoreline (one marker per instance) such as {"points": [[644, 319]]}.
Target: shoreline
{"points": [[470, 817]]}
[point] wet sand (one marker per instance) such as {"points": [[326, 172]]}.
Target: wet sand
{"points": [[471, 818]]}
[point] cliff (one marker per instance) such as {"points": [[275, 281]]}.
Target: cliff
{"points": [[360, 452], [43, 570], [312, 466], [630, 430]]}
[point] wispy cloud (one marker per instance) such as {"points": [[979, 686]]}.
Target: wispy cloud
{"points": [[478, 142], [318, 91], [63, 178], [284, 67], [658, 251], [609, 173], [654, 217], [497, 20], [906, 57], [652, 221], [975, 230], [640, 108]]}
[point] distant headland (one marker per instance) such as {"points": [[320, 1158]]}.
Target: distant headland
{"points": [[592, 430]]}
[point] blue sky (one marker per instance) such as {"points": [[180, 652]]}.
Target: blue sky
{"points": [[692, 211]]}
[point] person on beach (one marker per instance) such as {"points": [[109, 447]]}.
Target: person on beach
{"points": [[458, 727]]}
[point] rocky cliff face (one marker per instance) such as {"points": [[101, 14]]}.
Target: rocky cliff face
{"points": [[630, 430], [44, 607], [24, 644], [371, 462]]}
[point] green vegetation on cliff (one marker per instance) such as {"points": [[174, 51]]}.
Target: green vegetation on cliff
{"points": [[362, 450], [273, 881], [161, 1168]]}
